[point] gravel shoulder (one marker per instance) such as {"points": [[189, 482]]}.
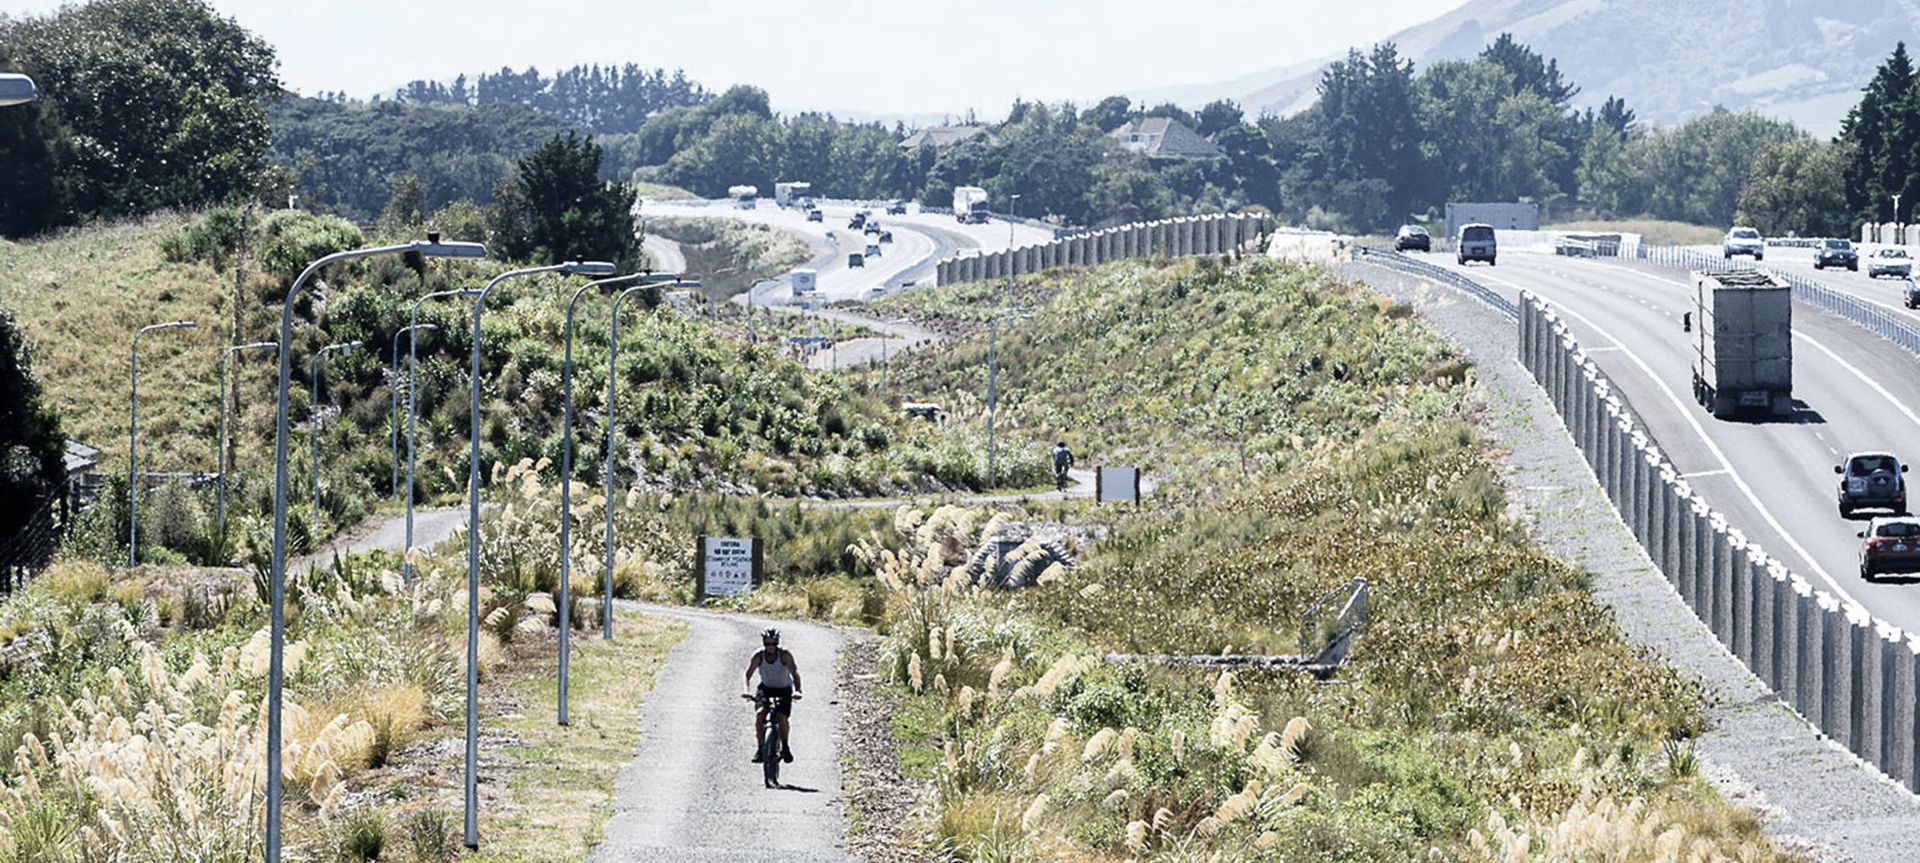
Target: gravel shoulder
{"points": [[1811, 794], [880, 799]]}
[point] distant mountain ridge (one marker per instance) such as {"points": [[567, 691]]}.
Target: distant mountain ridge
{"points": [[1799, 60]]}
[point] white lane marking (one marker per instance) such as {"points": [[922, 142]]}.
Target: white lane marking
{"points": [[1686, 413], [1703, 473]]}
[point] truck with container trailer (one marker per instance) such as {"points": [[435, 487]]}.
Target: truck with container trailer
{"points": [[743, 196], [970, 205], [1742, 325], [804, 281], [791, 193]]}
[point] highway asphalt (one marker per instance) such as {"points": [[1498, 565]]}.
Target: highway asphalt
{"points": [[1773, 481]]}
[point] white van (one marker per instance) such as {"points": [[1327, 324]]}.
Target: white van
{"points": [[804, 281]]}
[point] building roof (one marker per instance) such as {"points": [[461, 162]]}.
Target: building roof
{"points": [[940, 136], [1166, 137], [80, 457]]}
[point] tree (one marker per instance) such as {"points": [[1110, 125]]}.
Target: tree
{"points": [[571, 214], [163, 99], [1218, 116], [1798, 187], [31, 445], [1884, 129], [35, 186], [507, 232], [1368, 129], [1616, 118], [1529, 72], [1107, 114], [407, 207]]}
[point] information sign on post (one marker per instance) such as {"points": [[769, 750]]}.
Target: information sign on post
{"points": [[726, 566], [1118, 484]]}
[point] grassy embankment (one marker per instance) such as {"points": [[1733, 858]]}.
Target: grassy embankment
{"points": [[700, 408], [1311, 434]]}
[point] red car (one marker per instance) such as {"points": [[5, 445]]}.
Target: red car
{"points": [[1892, 545]]}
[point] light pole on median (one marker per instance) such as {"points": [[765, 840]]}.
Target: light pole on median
{"points": [[393, 388], [579, 268], [432, 247], [613, 388], [133, 442], [413, 355], [1012, 204], [993, 379], [226, 368], [566, 476], [313, 418]]}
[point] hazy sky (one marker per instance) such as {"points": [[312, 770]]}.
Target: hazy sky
{"points": [[879, 57]]}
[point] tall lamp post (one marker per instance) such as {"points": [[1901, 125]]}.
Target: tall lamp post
{"points": [[133, 443], [566, 475], [993, 379], [572, 268], [432, 247], [613, 388], [413, 355], [226, 369], [394, 389], [313, 424], [1012, 203], [16, 89]]}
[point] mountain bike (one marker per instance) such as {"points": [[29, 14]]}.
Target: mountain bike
{"points": [[770, 745]]}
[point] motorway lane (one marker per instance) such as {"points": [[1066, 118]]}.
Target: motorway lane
{"points": [[1884, 292], [1773, 481]]}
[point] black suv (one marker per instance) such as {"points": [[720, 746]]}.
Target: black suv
{"points": [[897, 208], [1412, 237], [1836, 253], [1872, 480]]}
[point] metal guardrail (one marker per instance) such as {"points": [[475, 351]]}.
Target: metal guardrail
{"points": [[1850, 676], [1896, 328], [1414, 266]]}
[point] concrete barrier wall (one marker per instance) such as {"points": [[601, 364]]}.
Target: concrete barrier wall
{"points": [[1214, 234], [1852, 677]]}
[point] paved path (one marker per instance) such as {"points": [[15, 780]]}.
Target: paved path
{"points": [[691, 792], [389, 533], [665, 254]]}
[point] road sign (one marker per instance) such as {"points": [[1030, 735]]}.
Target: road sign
{"points": [[1117, 483], [726, 566]]}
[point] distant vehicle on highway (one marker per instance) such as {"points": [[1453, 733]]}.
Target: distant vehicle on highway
{"points": [[873, 249], [886, 236], [1892, 545], [793, 193], [1911, 295], [1743, 343], [744, 196], [1412, 237], [928, 411], [1744, 241], [815, 216], [871, 227], [1890, 262], [858, 221], [897, 208], [1872, 480], [876, 292], [855, 259], [804, 281], [1836, 253], [970, 205], [1476, 243]]}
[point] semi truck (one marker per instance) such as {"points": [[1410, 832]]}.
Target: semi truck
{"points": [[791, 193], [744, 196], [970, 205], [1742, 326], [804, 281]]}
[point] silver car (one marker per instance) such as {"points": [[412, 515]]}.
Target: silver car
{"points": [[1890, 262], [1744, 241]]}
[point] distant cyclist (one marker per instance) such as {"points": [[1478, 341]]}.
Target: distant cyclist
{"points": [[779, 683], [1062, 462]]}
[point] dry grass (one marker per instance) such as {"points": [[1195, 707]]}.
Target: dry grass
{"points": [[80, 295]]}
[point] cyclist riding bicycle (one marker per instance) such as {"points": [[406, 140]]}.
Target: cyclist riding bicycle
{"points": [[1062, 461], [779, 683]]}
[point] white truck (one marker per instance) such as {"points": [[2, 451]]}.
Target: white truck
{"points": [[1743, 343], [791, 193], [804, 281], [970, 205], [743, 196]]}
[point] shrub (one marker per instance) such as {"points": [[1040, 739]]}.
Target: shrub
{"points": [[293, 239], [363, 836], [428, 836]]}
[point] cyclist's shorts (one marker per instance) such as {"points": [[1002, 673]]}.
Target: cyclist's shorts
{"points": [[777, 701]]}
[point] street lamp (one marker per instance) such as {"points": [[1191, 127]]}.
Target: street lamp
{"points": [[413, 320], [313, 419], [566, 474], [17, 89], [394, 389], [133, 443], [432, 247], [993, 378], [226, 366], [572, 268], [613, 388]]}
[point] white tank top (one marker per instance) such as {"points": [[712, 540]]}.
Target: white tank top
{"points": [[774, 673]]}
